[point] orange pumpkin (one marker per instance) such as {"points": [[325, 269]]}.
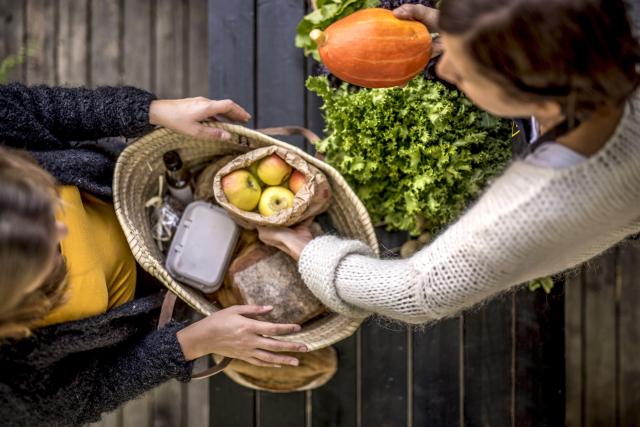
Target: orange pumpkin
{"points": [[372, 48]]}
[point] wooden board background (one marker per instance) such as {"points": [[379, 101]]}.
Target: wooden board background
{"points": [[501, 365]]}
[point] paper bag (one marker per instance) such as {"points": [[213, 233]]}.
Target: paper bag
{"points": [[312, 199]]}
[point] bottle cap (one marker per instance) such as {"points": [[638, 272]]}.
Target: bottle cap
{"points": [[172, 160]]}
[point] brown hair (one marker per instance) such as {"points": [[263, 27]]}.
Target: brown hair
{"points": [[28, 202], [580, 53]]}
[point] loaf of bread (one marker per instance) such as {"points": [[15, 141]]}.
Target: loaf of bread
{"points": [[267, 276]]}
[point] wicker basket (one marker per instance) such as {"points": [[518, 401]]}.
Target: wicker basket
{"points": [[136, 180]]}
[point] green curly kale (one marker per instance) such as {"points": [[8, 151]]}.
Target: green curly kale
{"points": [[421, 149], [329, 11]]}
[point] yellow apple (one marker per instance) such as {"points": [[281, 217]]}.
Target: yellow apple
{"points": [[242, 189], [253, 168], [275, 199], [297, 181], [272, 170]]}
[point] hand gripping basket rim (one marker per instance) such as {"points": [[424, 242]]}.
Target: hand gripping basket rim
{"points": [[134, 166]]}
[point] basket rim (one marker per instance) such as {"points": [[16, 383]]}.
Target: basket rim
{"points": [[130, 152]]}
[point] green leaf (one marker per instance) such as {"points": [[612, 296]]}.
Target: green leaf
{"points": [[421, 149]]}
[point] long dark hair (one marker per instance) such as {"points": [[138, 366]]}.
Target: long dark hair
{"points": [[28, 203], [580, 53]]}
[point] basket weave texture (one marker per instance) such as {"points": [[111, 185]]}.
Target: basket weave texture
{"points": [[136, 181]]}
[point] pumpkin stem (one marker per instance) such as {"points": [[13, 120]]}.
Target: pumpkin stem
{"points": [[434, 35], [318, 36]]}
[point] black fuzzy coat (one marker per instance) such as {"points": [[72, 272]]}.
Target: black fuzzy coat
{"points": [[71, 373]]}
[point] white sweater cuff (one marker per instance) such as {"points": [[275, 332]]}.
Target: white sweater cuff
{"points": [[318, 264]]}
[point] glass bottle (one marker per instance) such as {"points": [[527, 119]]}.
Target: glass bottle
{"points": [[179, 179]]}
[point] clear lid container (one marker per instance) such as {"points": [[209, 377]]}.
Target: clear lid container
{"points": [[201, 249]]}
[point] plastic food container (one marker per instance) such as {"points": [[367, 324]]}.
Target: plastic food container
{"points": [[201, 250]]}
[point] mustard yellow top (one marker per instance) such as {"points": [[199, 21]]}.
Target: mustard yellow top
{"points": [[102, 270]]}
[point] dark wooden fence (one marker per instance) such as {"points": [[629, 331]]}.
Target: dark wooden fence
{"points": [[501, 365]]}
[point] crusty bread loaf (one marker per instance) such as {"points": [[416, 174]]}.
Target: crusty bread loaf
{"points": [[267, 276]]}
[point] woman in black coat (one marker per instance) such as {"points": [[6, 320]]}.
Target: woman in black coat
{"points": [[70, 373]]}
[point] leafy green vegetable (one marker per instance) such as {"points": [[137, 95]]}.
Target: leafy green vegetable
{"points": [[421, 149], [329, 11], [544, 283]]}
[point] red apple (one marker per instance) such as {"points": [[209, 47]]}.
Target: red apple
{"points": [[297, 181], [242, 189]]}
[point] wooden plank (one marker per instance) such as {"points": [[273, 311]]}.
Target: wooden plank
{"points": [[600, 342], [197, 397], [629, 334], [384, 376], [231, 76], [168, 404], [231, 52], [488, 364], [105, 51], [282, 409], [41, 36], [12, 32], [436, 375], [334, 404], [73, 54], [139, 412], [280, 101], [170, 49], [281, 67], [384, 363], [170, 64], [198, 48], [231, 405], [540, 367], [574, 363], [137, 44]]}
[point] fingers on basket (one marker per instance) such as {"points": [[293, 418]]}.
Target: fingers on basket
{"points": [[202, 131], [259, 362], [274, 358], [274, 329], [279, 346], [307, 222], [229, 110], [251, 310]]}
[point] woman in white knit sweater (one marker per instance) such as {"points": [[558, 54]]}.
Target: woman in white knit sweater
{"points": [[573, 65]]}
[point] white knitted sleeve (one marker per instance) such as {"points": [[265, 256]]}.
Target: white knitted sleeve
{"points": [[319, 276], [531, 223]]}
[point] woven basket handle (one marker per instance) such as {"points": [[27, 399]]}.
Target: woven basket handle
{"points": [[291, 130], [294, 130], [165, 316]]}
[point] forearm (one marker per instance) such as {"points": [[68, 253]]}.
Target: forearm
{"points": [[45, 118]]}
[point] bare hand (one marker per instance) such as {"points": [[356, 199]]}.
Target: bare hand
{"points": [[185, 116], [425, 15], [231, 333], [289, 240]]}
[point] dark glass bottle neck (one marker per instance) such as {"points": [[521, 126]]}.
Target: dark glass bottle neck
{"points": [[180, 178]]}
